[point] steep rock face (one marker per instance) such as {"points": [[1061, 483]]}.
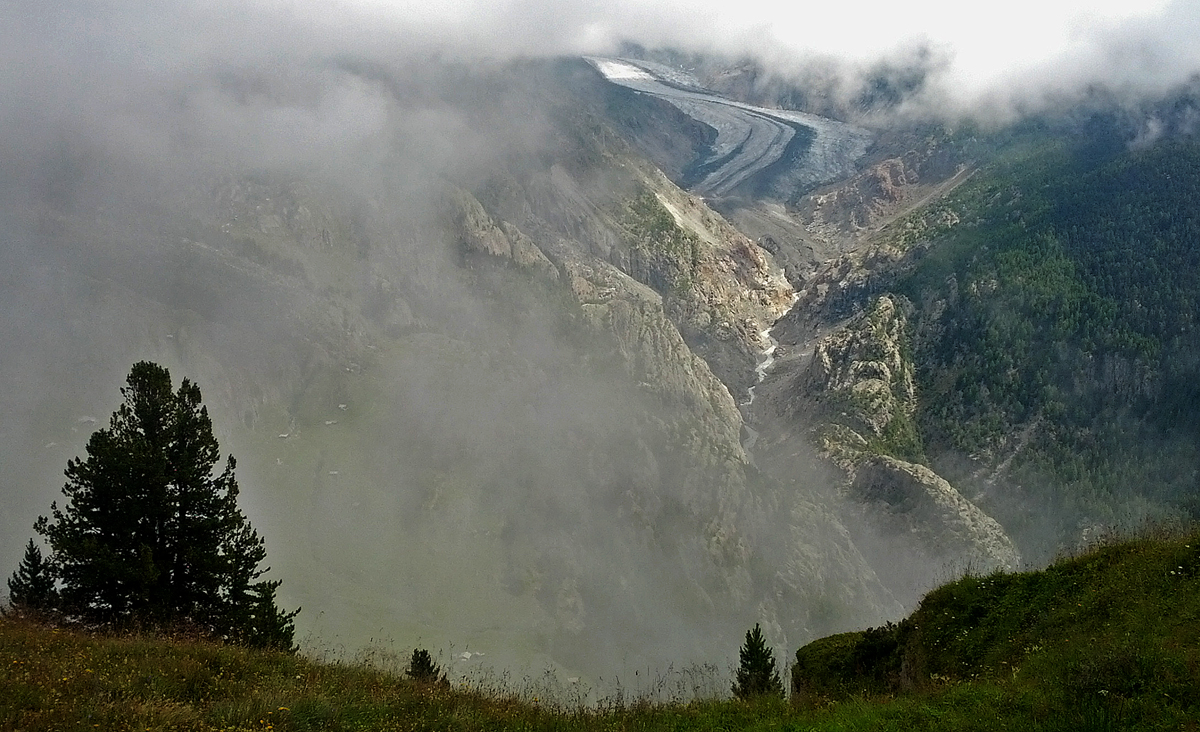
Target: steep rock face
{"points": [[910, 502], [859, 205], [695, 497], [653, 351], [478, 233], [718, 287], [861, 372], [853, 394], [884, 190]]}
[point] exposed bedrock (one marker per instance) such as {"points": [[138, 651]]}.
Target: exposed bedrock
{"points": [[851, 393]]}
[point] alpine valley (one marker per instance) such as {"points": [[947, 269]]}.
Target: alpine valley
{"points": [[596, 362]]}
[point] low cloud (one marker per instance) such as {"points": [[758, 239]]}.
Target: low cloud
{"points": [[992, 61]]}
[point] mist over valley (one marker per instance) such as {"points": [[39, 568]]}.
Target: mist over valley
{"points": [[481, 325]]}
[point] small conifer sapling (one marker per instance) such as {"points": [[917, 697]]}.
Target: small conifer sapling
{"points": [[31, 586], [757, 675], [422, 668]]}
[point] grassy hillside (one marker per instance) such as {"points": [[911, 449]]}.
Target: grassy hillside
{"points": [[1107, 640]]}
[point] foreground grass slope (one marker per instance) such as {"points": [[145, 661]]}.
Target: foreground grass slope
{"points": [[1108, 640]]}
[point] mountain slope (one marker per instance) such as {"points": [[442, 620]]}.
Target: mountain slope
{"points": [[457, 361], [1054, 336]]}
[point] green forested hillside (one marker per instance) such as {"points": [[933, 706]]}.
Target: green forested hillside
{"points": [[1057, 323]]}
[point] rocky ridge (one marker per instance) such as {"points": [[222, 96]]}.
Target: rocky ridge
{"points": [[851, 393]]}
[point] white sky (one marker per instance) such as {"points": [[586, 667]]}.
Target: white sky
{"points": [[988, 34]]}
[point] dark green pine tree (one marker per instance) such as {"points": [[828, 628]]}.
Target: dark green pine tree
{"points": [[31, 587], [422, 668], [757, 675], [150, 534]]}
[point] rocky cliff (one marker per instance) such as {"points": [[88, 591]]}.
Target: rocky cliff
{"points": [[852, 393], [665, 280]]}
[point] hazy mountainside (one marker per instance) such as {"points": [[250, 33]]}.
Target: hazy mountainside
{"points": [[455, 354], [1043, 351], [484, 360]]}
